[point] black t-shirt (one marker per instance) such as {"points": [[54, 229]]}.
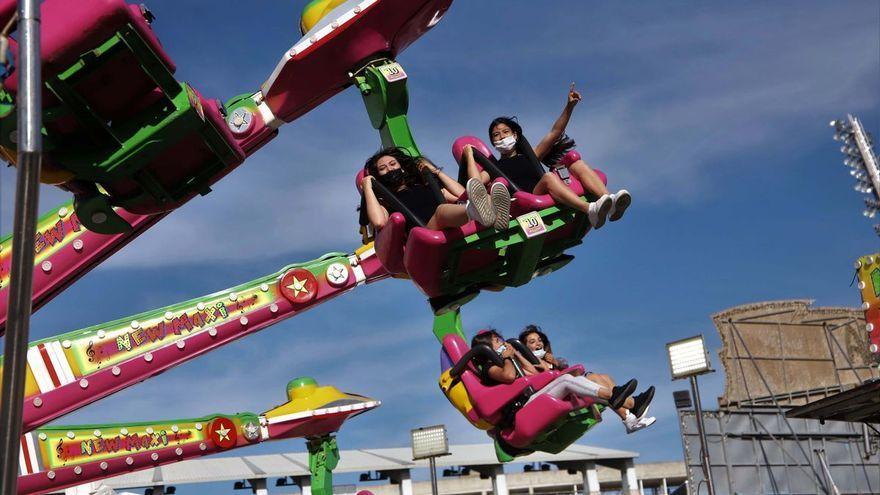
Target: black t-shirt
{"points": [[521, 171], [419, 199]]}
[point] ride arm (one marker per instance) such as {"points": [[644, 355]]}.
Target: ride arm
{"points": [[323, 458], [559, 126]]}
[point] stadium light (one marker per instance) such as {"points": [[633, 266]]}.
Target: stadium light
{"points": [[688, 358], [429, 442], [859, 154]]}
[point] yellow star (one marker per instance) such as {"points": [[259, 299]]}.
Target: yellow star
{"points": [[223, 433], [298, 286]]}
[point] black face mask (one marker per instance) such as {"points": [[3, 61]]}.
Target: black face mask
{"points": [[393, 179]]}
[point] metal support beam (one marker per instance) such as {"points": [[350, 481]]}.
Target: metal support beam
{"points": [[704, 444], [591, 479], [24, 228], [629, 482]]}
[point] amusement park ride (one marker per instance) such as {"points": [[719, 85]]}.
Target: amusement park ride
{"points": [[132, 143]]}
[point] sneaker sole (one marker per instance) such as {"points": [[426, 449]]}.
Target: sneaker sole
{"points": [[623, 203], [639, 410], [616, 403], [603, 214], [501, 201], [479, 197]]}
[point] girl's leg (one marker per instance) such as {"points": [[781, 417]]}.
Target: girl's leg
{"points": [[607, 382], [588, 178], [446, 216], [567, 385], [551, 184], [597, 211]]}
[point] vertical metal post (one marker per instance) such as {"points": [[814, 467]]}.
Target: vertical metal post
{"points": [[24, 228], [433, 466], [704, 445]]}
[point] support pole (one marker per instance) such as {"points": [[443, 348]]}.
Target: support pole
{"points": [[704, 445], [27, 190], [323, 458], [433, 466]]}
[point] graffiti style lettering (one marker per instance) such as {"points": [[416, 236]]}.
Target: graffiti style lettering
{"points": [[55, 234], [123, 342], [184, 323], [121, 443]]}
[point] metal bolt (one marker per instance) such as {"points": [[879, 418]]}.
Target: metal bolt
{"points": [[78, 245], [154, 456], [273, 308], [38, 402], [264, 287], [243, 320], [104, 466], [212, 332], [148, 357], [178, 451], [46, 266], [78, 470], [181, 344], [51, 475], [62, 212], [200, 306], [129, 461], [101, 334], [116, 371]]}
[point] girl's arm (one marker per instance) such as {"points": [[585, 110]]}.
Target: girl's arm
{"points": [[376, 213], [472, 170], [527, 367], [507, 374], [452, 190], [559, 126]]}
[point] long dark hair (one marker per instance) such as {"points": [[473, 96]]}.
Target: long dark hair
{"points": [[530, 329], [562, 146], [514, 126], [409, 165]]}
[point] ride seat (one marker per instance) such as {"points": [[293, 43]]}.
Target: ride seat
{"points": [[490, 404], [524, 201], [71, 29]]}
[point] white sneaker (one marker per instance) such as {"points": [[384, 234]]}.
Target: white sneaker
{"points": [[620, 201], [634, 424], [598, 211], [479, 206], [501, 203]]}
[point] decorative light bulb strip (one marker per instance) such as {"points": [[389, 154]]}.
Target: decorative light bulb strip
{"points": [[868, 272], [64, 250], [56, 457], [66, 372]]}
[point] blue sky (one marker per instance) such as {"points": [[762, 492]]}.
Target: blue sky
{"points": [[713, 115]]}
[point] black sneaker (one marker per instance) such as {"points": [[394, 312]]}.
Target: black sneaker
{"points": [[642, 401], [621, 392]]}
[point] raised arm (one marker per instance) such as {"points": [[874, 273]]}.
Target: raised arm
{"points": [[561, 123], [376, 213]]}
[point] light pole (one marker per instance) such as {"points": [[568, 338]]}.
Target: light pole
{"points": [[430, 442], [859, 152], [30, 146], [687, 359]]}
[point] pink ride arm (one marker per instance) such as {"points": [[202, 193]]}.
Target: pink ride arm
{"points": [[71, 370], [64, 251]]}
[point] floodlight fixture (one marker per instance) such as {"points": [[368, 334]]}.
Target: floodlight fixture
{"points": [[429, 441], [688, 357]]}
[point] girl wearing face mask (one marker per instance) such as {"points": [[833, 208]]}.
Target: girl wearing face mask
{"points": [[400, 173], [561, 387], [635, 416], [504, 132]]}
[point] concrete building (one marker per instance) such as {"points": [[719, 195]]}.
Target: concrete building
{"points": [[468, 470]]}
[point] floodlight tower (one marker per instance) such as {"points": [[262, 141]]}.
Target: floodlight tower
{"points": [[858, 149]]}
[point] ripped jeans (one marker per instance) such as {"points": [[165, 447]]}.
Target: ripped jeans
{"points": [[567, 385]]}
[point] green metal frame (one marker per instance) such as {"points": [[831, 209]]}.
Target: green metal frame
{"points": [[118, 150], [387, 104], [323, 459]]}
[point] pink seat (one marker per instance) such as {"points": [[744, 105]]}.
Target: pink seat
{"points": [[189, 156], [490, 401]]}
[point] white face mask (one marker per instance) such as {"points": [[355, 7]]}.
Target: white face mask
{"points": [[539, 353], [505, 145], [501, 349]]}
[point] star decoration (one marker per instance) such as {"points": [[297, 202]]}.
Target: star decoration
{"points": [[223, 433], [298, 287]]}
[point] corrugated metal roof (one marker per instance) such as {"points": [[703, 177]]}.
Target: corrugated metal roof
{"points": [[351, 461]]}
